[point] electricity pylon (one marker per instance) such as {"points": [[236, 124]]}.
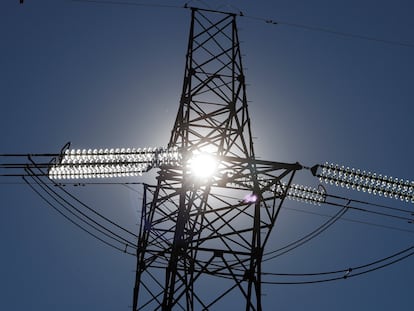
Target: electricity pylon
{"points": [[208, 218], [193, 229]]}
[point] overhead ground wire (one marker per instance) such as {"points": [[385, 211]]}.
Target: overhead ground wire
{"points": [[268, 21]]}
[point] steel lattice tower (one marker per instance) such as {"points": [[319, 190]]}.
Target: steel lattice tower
{"points": [[197, 230], [202, 236]]}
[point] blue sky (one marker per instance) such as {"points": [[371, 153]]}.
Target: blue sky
{"points": [[110, 76]]}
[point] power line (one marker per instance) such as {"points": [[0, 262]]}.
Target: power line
{"points": [[71, 209], [89, 208], [331, 31], [293, 245], [66, 204], [267, 21], [81, 216], [345, 273], [76, 184], [21, 165], [129, 184], [26, 155], [131, 3], [364, 210], [332, 219], [286, 248], [352, 220], [368, 203], [74, 222]]}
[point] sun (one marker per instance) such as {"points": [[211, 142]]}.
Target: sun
{"points": [[203, 165]]}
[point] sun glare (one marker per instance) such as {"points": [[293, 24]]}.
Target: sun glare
{"points": [[203, 165]]}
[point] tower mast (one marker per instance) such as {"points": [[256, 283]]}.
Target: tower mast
{"points": [[195, 229]]}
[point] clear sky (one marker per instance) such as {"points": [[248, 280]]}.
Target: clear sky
{"points": [[110, 76]]}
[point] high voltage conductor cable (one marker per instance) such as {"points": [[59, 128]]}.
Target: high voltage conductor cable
{"points": [[68, 218], [368, 203], [345, 207], [373, 212], [348, 204], [76, 184], [293, 245], [126, 184], [89, 208], [61, 201], [124, 162], [98, 214], [408, 218], [15, 167], [181, 227], [330, 31], [81, 184], [345, 273], [131, 3], [352, 220], [70, 208], [9, 155], [116, 162], [72, 221], [334, 219], [262, 19]]}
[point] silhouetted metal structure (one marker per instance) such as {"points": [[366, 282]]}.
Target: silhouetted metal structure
{"points": [[202, 237], [195, 230]]}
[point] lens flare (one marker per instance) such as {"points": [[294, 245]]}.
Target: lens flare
{"points": [[250, 198]]}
